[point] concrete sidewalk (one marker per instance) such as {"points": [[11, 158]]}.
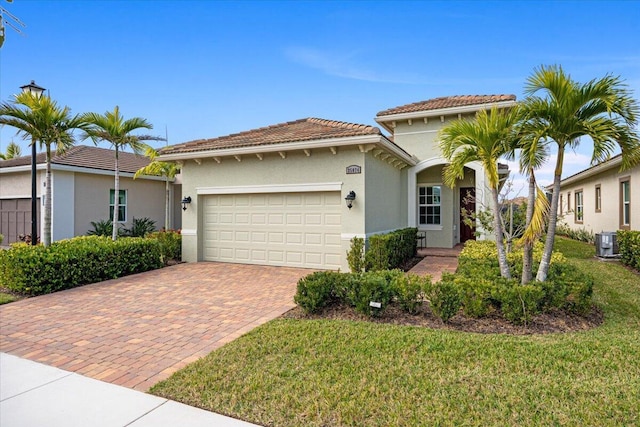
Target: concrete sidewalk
{"points": [[33, 394]]}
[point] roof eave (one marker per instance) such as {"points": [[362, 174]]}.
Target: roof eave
{"points": [[383, 120], [294, 146], [594, 170]]}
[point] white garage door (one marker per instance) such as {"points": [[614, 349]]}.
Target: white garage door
{"points": [[287, 229]]}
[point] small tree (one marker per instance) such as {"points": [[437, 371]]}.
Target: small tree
{"points": [[113, 128], [13, 151], [168, 170], [40, 119]]}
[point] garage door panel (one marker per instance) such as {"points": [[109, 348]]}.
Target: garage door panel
{"points": [[295, 229]]}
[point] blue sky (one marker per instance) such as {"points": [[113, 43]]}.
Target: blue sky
{"points": [[202, 69]]}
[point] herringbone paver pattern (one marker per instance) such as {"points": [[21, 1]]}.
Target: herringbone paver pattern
{"points": [[137, 330]]}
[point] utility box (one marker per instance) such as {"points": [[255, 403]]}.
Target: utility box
{"points": [[606, 244]]}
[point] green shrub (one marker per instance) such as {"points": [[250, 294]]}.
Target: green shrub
{"points": [[140, 227], [371, 289], [391, 250], [1, 238], [629, 247], [409, 290], [355, 255], [519, 303], [316, 290], [103, 228], [580, 234], [444, 298], [36, 270], [170, 244], [476, 296]]}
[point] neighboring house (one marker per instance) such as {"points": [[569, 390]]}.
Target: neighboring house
{"points": [[601, 198], [83, 182], [276, 195]]}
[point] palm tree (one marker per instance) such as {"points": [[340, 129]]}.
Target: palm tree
{"points": [[602, 109], [157, 168], [113, 128], [485, 139], [40, 119], [13, 151]]}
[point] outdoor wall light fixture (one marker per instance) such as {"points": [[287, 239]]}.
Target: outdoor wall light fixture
{"points": [[185, 202], [350, 198]]}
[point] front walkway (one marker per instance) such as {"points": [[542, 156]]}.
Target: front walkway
{"points": [[138, 330], [436, 261]]}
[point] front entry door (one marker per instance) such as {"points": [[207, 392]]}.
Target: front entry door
{"points": [[468, 203]]}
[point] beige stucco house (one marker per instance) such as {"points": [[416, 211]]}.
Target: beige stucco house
{"points": [[276, 195], [601, 198], [82, 192]]}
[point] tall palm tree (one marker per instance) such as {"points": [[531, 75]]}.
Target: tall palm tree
{"points": [[13, 151], [485, 139], [565, 111], [40, 119], [113, 128], [157, 168]]}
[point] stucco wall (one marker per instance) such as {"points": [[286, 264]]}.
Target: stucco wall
{"points": [[419, 138], [145, 198], [608, 219], [297, 168], [384, 196], [62, 208]]}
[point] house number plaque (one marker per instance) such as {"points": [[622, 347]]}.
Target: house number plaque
{"points": [[353, 169]]}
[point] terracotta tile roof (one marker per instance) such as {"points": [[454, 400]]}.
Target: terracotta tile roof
{"points": [[300, 130], [85, 156], [446, 102]]}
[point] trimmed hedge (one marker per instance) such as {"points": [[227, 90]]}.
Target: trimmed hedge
{"points": [[359, 290], [391, 250], [629, 247], [170, 244], [37, 270]]}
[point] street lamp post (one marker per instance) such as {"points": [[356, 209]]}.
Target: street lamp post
{"points": [[36, 90]]}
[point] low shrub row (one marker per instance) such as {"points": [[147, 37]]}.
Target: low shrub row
{"points": [[170, 244], [483, 290], [385, 252], [629, 247], [581, 234], [36, 270], [476, 288], [368, 293]]}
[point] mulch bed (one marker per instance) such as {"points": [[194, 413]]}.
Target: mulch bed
{"points": [[555, 321]]}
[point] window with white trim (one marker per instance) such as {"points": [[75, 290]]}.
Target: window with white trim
{"points": [[625, 203], [122, 205], [579, 212], [429, 205]]}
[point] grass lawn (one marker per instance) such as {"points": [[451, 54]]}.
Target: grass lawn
{"points": [[326, 372], [7, 298]]}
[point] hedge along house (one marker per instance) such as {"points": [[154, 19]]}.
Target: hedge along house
{"points": [[276, 195], [82, 192]]}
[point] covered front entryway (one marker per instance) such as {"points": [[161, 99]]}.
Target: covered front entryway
{"points": [[15, 218], [468, 206], [282, 229]]}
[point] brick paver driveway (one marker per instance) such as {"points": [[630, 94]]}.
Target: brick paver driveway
{"points": [[137, 330]]}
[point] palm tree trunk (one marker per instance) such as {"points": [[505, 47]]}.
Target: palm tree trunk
{"points": [[543, 269], [166, 204], [47, 202], [497, 222], [527, 250], [116, 199]]}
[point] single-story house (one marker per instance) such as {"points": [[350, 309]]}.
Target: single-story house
{"points": [[276, 195], [601, 198], [82, 192]]}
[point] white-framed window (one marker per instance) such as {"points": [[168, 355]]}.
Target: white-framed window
{"points": [[598, 198], [579, 212], [122, 205], [429, 205], [625, 203]]}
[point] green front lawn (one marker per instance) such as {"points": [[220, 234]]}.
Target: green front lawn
{"points": [[6, 297], [327, 372]]}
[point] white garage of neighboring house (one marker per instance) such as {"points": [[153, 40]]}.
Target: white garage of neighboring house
{"points": [[82, 183], [276, 195]]}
